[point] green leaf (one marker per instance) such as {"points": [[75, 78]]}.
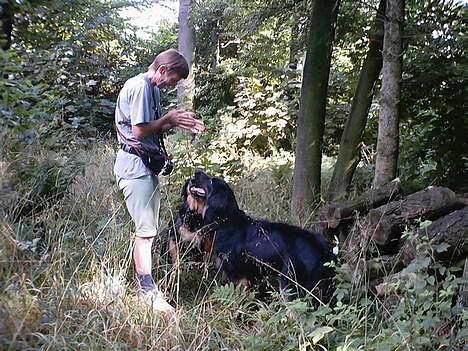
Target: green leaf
{"points": [[442, 247], [319, 333], [431, 280], [420, 285], [425, 224]]}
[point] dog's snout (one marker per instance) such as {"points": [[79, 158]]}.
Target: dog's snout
{"points": [[198, 174], [201, 177]]}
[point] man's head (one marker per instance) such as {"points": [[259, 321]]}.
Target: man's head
{"points": [[168, 68]]}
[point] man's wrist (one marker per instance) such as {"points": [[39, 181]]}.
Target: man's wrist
{"points": [[165, 123]]}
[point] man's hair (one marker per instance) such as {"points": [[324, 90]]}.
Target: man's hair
{"points": [[174, 61]]}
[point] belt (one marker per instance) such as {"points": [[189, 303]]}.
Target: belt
{"points": [[130, 149]]}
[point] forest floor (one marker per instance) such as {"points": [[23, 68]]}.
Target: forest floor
{"points": [[67, 283]]}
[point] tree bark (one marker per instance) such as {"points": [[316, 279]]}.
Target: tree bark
{"points": [[7, 15], [310, 126], [349, 156], [388, 134], [186, 48], [387, 221], [451, 229], [335, 219]]}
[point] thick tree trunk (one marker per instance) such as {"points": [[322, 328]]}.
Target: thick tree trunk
{"points": [[7, 15], [310, 126], [388, 135], [348, 156], [186, 48], [387, 222]]}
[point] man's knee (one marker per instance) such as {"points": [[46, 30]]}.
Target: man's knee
{"points": [[145, 240], [146, 228]]}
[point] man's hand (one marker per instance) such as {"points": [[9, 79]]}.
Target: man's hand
{"points": [[175, 118], [185, 120]]}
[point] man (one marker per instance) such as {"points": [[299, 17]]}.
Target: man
{"points": [[140, 126]]}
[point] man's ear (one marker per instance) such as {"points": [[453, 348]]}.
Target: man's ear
{"points": [[162, 69]]}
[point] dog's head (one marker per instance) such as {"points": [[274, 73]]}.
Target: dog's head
{"points": [[209, 196]]}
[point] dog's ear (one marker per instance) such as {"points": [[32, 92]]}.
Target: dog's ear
{"points": [[184, 191], [221, 202]]}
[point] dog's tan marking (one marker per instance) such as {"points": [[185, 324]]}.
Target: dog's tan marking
{"points": [[207, 243], [244, 283], [187, 235], [195, 204]]}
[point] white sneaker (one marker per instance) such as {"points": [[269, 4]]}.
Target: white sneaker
{"points": [[156, 301]]}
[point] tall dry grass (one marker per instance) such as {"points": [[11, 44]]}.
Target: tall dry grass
{"points": [[67, 280], [67, 277]]}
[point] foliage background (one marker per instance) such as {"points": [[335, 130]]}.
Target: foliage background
{"points": [[65, 272]]}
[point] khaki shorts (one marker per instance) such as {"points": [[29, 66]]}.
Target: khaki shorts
{"points": [[143, 198]]}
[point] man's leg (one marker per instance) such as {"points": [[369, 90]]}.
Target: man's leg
{"points": [[142, 198], [142, 256]]}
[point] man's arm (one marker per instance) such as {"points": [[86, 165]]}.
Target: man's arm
{"points": [[175, 118]]}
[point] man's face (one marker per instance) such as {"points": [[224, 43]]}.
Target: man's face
{"points": [[165, 78]]}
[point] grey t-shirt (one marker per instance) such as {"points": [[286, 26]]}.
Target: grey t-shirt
{"points": [[138, 102]]}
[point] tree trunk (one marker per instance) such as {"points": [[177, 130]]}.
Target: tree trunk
{"points": [[186, 48], [387, 221], [7, 15], [348, 156], [388, 135], [334, 213], [310, 126]]}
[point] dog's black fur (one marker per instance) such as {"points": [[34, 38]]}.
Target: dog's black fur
{"points": [[183, 235], [248, 249]]}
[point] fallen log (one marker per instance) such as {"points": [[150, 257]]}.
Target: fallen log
{"points": [[387, 222], [388, 286], [451, 230], [340, 214], [445, 239]]}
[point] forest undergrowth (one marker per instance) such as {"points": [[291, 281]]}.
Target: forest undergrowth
{"points": [[67, 282]]}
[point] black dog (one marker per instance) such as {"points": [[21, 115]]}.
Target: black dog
{"points": [[247, 249]]}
